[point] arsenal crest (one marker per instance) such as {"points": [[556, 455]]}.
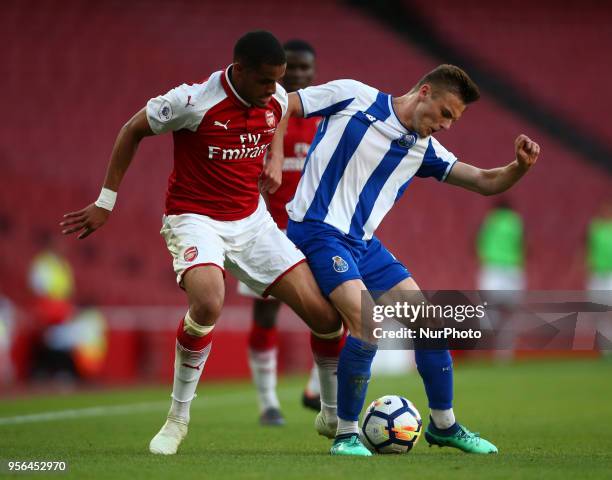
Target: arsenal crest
{"points": [[190, 254], [270, 120]]}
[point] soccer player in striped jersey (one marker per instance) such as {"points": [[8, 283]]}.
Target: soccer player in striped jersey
{"points": [[368, 148], [263, 337]]}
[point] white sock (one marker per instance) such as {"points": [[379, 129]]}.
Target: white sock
{"points": [[314, 386], [347, 426], [180, 410], [188, 367], [263, 370], [443, 419], [328, 383]]}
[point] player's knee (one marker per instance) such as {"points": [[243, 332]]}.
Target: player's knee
{"points": [[206, 311]]}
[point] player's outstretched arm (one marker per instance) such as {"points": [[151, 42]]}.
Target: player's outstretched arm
{"points": [[93, 216], [272, 174], [496, 180]]}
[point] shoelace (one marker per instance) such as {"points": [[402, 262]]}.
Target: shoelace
{"points": [[469, 436]]}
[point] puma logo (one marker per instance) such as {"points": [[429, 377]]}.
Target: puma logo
{"points": [[197, 367], [219, 124]]}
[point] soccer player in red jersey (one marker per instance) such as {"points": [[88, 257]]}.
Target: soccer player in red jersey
{"points": [[215, 217], [263, 337]]}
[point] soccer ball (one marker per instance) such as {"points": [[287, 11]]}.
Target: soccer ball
{"points": [[392, 424]]}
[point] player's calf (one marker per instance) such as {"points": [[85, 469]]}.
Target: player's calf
{"points": [[299, 290], [263, 343], [326, 350], [193, 345], [356, 357]]}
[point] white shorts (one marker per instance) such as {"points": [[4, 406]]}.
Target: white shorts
{"points": [[505, 284], [244, 290], [501, 278], [253, 249]]}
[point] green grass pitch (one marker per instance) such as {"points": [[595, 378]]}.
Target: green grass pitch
{"points": [[549, 420]]}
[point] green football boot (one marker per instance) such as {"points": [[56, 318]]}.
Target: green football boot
{"points": [[349, 445], [460, 437]]}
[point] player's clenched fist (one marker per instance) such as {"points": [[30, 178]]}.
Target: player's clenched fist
{"points": [[85, 221], [271, 177], [526, 150]]}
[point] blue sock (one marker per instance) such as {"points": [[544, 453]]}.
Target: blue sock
{"points": [[436, 370], [353, 376]]}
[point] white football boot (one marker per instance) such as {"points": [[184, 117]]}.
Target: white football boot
{"points": [[168, 439], [326, 427]]}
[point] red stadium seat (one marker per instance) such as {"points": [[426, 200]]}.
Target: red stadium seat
{"points": [[76, 73]]}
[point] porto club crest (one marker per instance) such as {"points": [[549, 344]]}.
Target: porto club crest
{"points": [[407, 140], [340, 264]]}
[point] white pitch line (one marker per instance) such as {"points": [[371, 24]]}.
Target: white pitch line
{"points": [[82, 412], [126, 409]]}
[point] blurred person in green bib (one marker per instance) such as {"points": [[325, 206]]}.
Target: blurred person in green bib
{"points": [[599, 250], [501, 253], [501, 250], [599, 264]]}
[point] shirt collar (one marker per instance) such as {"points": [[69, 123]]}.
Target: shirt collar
{"points": [[230, 90], [395, 117]]}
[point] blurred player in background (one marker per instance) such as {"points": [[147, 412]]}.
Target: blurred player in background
{"points": [[215, 216], [51, 282], [368, 148], [7, 326], [599, 264], [501, 252], [501, 249], [599, 249], [263, 337]]}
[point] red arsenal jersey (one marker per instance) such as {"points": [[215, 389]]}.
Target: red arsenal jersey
{"points": [[219, 144], [299, 135]]}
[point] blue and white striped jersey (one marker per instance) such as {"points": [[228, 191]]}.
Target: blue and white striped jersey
{"points": [[361, 159]]}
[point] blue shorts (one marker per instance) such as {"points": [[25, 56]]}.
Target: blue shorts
{"points": [[335, 258]]}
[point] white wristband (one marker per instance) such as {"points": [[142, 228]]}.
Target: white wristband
{"points": [[106, 200]]}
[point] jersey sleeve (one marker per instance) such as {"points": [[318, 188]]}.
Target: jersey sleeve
{"points": [[437, 162], [175, 110], [329, 98], [282, 98]]}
